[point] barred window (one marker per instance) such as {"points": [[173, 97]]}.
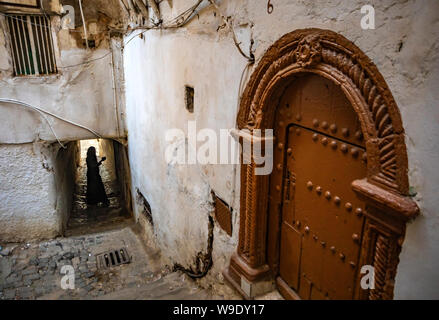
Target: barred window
{"points": [[32, 45], [22, 3]]}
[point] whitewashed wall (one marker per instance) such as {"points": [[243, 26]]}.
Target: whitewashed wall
{"points": [[32, 178], [404, 46]]}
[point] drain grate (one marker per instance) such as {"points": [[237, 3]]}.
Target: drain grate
{"points": [[112, 258]]}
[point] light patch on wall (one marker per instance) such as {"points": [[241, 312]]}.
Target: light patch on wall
{"points": [[85, 144]]}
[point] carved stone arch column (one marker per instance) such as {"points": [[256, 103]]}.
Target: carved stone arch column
{"points": [[384, 190]]}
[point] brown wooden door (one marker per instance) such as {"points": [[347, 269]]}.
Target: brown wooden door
{"points": [[322, 220]]}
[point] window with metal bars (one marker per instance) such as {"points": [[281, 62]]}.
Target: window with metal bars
{"points": [[32, 45]]}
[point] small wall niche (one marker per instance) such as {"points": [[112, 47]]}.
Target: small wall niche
{"points": [[189, 98], [145, 207], [223, 214]]}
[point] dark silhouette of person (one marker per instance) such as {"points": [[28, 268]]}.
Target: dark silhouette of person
{"points": [[95, 186]]}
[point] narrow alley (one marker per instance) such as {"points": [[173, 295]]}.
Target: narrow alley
{"points": [[219, 149], [92, 218], [34, 270]]}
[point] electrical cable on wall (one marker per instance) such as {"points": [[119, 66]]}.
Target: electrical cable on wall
{"points": [[86, 62], [250, 57], [83, 23], [43, 26], [43, 113], [179, 21], [176, 22], [18, 19], [203, 261]]}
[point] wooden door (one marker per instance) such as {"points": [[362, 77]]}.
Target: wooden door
{"points": [[322, 220]]}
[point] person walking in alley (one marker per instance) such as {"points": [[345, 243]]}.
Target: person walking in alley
{"points": [[95, 187]]}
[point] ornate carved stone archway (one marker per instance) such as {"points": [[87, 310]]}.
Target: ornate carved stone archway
{"points": [[384, 190]]}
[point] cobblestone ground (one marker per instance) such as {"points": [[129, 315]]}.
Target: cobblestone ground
{"points": [[33, 271]]}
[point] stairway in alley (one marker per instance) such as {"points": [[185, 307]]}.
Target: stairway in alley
{"points": [[85, 219]]}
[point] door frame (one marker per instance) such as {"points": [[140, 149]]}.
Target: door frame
{"points": [[385, 189]]}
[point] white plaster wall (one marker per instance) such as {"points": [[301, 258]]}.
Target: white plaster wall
{"points": [[106, 149], [27, 193], [123, 173], [179, 195], [37, 181], [404, 46]]}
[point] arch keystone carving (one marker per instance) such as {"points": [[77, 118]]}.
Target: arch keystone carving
{"points": [[309, 51]]}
